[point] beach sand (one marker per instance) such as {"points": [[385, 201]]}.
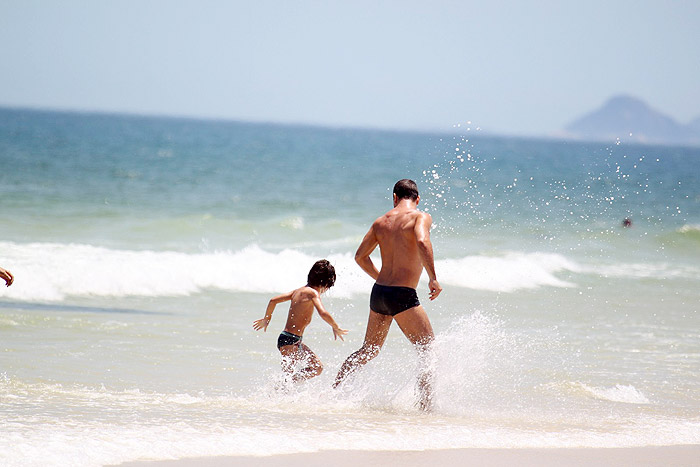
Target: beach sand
{"points": [[636, 456]]}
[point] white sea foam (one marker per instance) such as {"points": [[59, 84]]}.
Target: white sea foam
{"points": [[690, 229], [618, 393], [506, 273], [54, 271], [657, 270], [482, 402], [295, 223], [51, 271]]}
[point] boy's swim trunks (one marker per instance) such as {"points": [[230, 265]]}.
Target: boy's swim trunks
{"points": [[287, 338], [392, 300]]}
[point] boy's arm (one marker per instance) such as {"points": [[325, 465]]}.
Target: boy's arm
{"points": [[369, 243], [337, 332], [262, 323]]}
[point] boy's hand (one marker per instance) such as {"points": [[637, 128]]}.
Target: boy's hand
{"points": [[261, 323], [337, 332]]}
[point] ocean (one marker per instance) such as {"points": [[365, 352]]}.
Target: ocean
{"points": [[143, 248]]}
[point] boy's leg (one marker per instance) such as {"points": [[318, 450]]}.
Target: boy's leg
{"points": [[377, 330], [313, 366], [294, 354], [290, 358]]}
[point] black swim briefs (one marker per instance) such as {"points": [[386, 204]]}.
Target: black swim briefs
{"points": [[392, 300], [287, 338]]}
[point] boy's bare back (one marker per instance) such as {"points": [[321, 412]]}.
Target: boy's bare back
{"points": [[301, 310], [303, 302]]}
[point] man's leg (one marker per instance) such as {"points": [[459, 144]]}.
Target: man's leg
{"points": [[377, 330], [415, 325]]}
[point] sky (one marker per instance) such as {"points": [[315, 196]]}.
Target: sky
{"points": [[508, 67]]}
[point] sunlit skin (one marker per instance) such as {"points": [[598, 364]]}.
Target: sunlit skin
{"points": [[403, 238], [304, 301], [7, 277]]}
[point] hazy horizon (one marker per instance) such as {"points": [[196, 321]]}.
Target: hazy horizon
{"points": [[508, 68]]}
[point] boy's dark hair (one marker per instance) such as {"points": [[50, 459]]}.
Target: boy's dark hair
{"points": [[322, 274], [406, 189]]}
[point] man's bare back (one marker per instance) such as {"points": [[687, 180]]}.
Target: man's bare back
{"points": [[399, 233], [403, 237]]}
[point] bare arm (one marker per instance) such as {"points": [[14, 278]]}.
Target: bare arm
{"points": [[369, 243], [6, 276], [425, 250], [262, 323], [337, 332]]}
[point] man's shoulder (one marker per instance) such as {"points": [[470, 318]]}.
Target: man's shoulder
{"points": [[424, 215], [422, 220], [413, 215], [381, 219], [420, 215]]}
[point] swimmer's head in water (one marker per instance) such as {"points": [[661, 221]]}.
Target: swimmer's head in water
{"points": [[406, 189], [322, 274]]}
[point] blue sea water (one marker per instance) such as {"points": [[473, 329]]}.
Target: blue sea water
{"points": [[144, 247]]}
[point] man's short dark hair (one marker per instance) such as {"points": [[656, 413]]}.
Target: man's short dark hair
{"points": [[406, 189], [322, 274]]}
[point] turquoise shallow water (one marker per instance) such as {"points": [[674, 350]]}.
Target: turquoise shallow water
{"points": [[143, 249]]}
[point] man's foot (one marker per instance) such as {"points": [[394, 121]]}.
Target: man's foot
{"points": [[425, 403]]}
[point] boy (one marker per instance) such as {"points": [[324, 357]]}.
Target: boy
{"points": [[304, 300]]}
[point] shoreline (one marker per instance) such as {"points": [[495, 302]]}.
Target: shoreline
{"points": [[679, 455]]}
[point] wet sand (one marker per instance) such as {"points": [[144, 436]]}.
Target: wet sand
{"points": [[637, 456]]}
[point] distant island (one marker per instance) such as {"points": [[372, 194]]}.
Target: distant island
{"points": [[631, 119]]}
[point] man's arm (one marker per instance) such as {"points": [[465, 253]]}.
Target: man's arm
{"points": [[262, 323], [369, 243], [425, 250]]}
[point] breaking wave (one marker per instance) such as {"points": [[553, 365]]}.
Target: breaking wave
{"points": [[55, 271]]}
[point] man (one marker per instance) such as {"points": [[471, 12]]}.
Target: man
{"points": [[403, 237]]}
